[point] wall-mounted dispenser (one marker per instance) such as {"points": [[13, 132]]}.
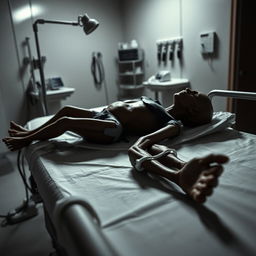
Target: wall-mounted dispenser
{"points": [[171, 44], [166, 49]]}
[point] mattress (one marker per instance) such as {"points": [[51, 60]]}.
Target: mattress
{"points": [[143, 214]]}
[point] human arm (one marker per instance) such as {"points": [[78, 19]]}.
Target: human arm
{"points": [[197, 177], [146, 146], [145, 142]]}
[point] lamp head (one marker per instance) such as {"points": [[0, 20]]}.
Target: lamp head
{"points": [[88, 24]]}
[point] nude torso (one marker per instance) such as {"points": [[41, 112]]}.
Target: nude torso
{"points": [[135, 117]]}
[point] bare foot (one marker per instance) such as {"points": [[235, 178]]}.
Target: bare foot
{"points": [[16, 143], [199, 176], [16, 133], [17, 127]]}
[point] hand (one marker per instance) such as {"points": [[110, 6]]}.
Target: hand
{"points": [[199, 176]]}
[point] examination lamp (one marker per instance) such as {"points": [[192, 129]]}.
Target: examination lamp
{"points": [[88, 24]]}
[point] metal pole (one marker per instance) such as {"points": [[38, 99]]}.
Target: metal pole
{"points": [[41, 71], [233, 94]]}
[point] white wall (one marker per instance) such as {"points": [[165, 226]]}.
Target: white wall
{"points": [[150, 20], [12, 101], [202, 16]]}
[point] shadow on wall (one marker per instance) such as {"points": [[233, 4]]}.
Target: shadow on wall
{"points": [[5, 165]]}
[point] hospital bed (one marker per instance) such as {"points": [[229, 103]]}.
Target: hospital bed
{"points": [[96, 204]]}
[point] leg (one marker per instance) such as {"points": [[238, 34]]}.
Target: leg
{"points": [[92, 129], [67, 111]]}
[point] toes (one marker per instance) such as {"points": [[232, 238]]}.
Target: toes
{"points": [[12, 132], [11, 143], [5, 140]]}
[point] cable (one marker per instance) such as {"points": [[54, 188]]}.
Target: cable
{"points": [[28, 207], [12, 213], [98, 73], [21, 168], [96, 69]]}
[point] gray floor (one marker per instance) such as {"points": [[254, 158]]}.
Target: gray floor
{"points": [[26, 238]]}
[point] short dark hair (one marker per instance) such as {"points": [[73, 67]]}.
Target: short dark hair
{"points": [[203, 114]]}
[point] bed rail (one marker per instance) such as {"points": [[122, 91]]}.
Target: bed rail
{"points": [[78, 229], [232, 94]]}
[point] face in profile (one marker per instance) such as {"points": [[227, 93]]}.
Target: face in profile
{"points": [[194, 108]]}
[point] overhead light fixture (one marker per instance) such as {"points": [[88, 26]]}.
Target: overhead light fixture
{"points": [[88, 24]]}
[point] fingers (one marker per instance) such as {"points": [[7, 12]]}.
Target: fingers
{"points": [[198, 196], [213, 171], [214, 158], [201, 191], [206, 183]]}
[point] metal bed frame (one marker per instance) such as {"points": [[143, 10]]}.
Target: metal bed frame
{"points": [[76, 226]]}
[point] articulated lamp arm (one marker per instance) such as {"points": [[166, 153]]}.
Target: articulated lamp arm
{"points": [[88, 24]]}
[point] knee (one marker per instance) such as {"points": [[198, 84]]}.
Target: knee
{"points": [[66, 110], [63, 122]]}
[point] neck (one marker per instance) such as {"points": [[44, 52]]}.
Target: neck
{"points": [[173, 111]]}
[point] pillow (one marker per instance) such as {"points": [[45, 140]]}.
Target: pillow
{"points": [[220, 121]]}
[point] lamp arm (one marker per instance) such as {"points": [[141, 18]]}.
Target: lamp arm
{"points": [[61, 22]]}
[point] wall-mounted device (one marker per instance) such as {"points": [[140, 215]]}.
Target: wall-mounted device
{"points": [[163, 76], [166, 49], [171, 44], [164, 52], [159, 52], [179, 48], [129, 54], [54, 83], [207, 41]]}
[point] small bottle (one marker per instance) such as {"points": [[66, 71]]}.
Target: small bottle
{"points": [[134, 44]]}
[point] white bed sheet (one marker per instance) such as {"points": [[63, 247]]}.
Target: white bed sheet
{"points": [[143, 215]]}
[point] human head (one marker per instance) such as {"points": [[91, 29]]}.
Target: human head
{"points": [[192, 108]]}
